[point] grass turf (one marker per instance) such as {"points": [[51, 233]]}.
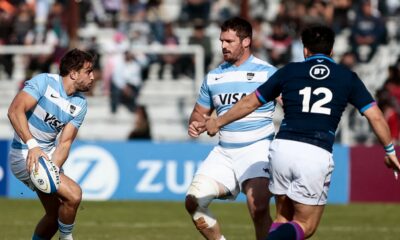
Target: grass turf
{"points": [[138, 220]]}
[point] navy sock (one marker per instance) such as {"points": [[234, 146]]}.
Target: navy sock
{"points": [[36, 237], [287, 231], [275, 226]]}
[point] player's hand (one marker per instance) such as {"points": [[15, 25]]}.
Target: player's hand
{"points": [[33, 158], [391, 161], [211, 125], [196, 128]]}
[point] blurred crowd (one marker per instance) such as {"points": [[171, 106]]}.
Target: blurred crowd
{"points": [[61, 24]]}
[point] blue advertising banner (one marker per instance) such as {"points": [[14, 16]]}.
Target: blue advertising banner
{"points": [[144, 170], [3, 167], [129, 170], [340, 181]]}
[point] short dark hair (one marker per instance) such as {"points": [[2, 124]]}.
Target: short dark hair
{"points": [[74, 60], [242, 27], [318, 39]]}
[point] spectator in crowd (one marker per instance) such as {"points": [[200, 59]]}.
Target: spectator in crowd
{"points": [[387, 104], [278, 44], [22, 23], [142, 125], [58, 24], [41, 62], [155, 19], [291, 12], [318, 12], [170, 60], [341, 12], [93, 48], [132, 11], [199, 37], [126, 81], [388, 98], [195, 9], [112, 9], [367, 33], [113, 52], [259, 36], [392, 83], [6, 60], [224, 9], [349, 60]]}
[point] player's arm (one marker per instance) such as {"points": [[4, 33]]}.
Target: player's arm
{"points": [[22, 103], [65, 140], [241, 109], [382, 131], [197, 120]]}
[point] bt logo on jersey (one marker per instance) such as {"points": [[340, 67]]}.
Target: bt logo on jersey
{"points": [[319, 72]]}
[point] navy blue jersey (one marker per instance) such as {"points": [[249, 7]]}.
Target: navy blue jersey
{"points": [[314, 94]]}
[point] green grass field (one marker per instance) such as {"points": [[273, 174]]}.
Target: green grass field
{"points": [[135, 220]]}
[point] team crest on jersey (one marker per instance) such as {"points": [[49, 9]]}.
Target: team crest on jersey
{"points": [[319, 72], [72, 109], [250, 76]]}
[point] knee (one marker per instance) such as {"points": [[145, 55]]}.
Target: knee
{"points": [[198, 209], [260, 210], [75, 196], [191, 204], [308, 228], [309, 231], [200, 194]]}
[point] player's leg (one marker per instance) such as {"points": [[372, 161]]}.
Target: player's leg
{"points": [[303, 225], [71, 195], [201, 193], [301, 184], [282, 227], [251, 169], [258, 196], [47, 226], [214, 179], [308, 217]]}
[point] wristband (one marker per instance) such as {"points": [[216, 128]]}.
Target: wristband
{"points": [[389, 149], [32, 143]]}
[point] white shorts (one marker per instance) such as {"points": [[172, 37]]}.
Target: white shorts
{"points": [[232, 166], [300, 171], [17, 160]]}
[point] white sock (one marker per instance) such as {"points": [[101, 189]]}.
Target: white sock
{"points": [[222, 237], [65, 237], [65, 230]]}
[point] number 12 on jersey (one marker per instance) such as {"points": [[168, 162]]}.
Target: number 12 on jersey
{"points": [[318, 106]]}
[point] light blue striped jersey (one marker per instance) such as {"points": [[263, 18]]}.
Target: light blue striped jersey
{"points": [[226, 85], [53, 111]]}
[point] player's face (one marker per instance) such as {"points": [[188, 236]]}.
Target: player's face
{"points": [[85, 78], [232, 46]]}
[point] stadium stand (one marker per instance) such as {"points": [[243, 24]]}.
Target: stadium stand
{"points": [[170, 100]]}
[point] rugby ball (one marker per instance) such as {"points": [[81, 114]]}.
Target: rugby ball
{"points": [[47, 177]]}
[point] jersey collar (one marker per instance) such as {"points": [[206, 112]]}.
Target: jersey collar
{"points": [[319, 55]]}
